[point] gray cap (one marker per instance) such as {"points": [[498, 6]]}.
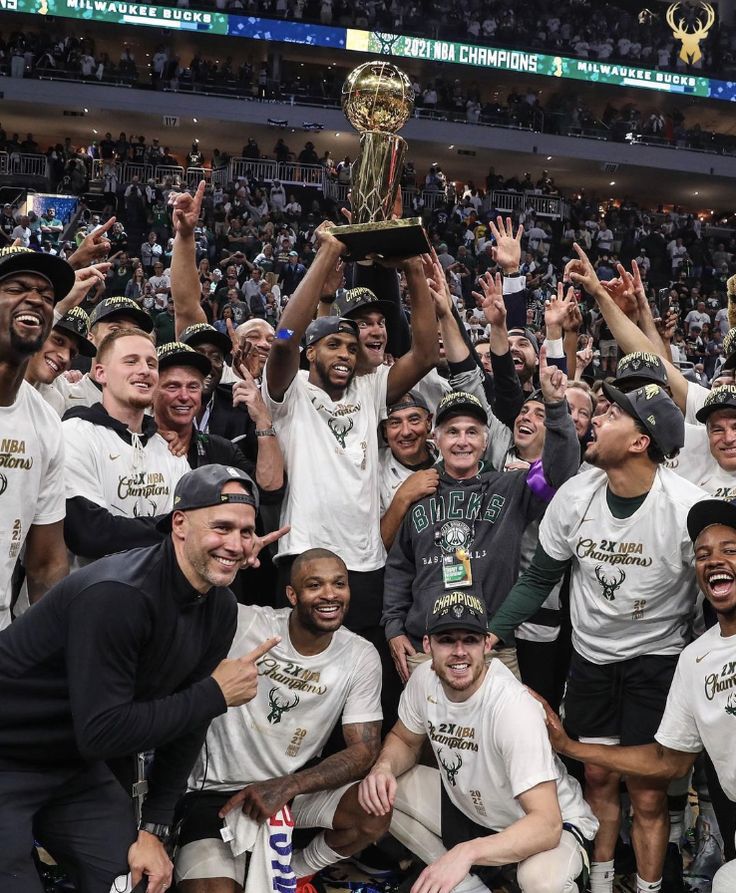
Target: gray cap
{"points": [[329, 325], [529, 335], [202, 488], [655, 410]]}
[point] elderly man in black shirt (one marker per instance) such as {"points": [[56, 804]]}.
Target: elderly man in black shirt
{"points": [[126, 655]]}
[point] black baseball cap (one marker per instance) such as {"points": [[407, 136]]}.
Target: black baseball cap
{"points": [[412, 399], [457, 610], [708, 512], [354, 299], [657, 413], [528, 334], [177, 354], [458, 403], [329, 325], [22, 260], [120, 306], [722, 397], [640, 368], [729, 344], [75, 323], [202, 488], [203, 333]]}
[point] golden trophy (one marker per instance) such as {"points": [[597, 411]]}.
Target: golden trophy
{"points": [[378, 99]]}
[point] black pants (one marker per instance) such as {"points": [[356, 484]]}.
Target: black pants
{"points": [[363, 618], [83, 817]]}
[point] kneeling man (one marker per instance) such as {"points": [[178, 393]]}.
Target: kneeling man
{"points": [[318, 673], [500, 795]]}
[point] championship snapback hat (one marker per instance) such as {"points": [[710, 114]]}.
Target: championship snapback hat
{"points": [[457, 610]]}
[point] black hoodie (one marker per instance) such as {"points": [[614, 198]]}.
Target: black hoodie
{"points": [[92, 531]]}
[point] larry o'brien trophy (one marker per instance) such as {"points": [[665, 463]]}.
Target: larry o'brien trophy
{"points": [[378, 99]]}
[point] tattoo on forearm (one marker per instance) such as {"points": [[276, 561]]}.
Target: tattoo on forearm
{"points": [[363, 742]]}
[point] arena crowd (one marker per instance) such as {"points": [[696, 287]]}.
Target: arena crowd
{"points": [[301, 544]]}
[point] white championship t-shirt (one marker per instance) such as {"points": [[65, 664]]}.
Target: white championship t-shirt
{"points": [[632, 585], [331, 457], [392, 475], [127, 481], [491, 748], [31, 479], [299, 701], [701, 705]]}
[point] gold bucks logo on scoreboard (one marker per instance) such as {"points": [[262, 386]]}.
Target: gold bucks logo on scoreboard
{"points": [[690, 52]]}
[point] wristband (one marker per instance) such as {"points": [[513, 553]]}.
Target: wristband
{"points": [[158, 830], [266, 432]]}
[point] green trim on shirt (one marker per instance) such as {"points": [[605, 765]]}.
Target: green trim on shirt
{"points": [[624, 506]]}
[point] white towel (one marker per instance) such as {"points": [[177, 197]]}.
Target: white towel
{"points": [[270, 846]]}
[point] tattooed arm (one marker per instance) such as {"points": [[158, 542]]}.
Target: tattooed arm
{"points": [[264, 798]]}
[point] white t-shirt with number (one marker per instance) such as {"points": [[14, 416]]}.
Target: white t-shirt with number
{"points": [[31, 479], [331, 458], [632, 585], [491, 748], [701, 704], [299, 701]]}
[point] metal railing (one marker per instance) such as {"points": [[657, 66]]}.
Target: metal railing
{"points": [[23, 164], [552, 207], [290, 173]]}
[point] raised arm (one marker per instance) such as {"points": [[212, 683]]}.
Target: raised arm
{"points": [[628, 335], [423, 354], [185, 285], [283, 361]]}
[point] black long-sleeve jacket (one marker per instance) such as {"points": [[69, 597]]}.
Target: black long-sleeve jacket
{"points": [[113, 660]]}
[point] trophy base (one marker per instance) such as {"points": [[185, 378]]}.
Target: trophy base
{"points": [[399, 239]]}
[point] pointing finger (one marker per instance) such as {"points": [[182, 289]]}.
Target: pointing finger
{"points": [[262, 649]]}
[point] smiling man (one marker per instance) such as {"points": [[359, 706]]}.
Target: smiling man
{"points": [[271, 747], [500, 796], [117, 466], [127, 655], [453, 538], [701, 703], [632, 594], [32, 455], [67, 340]]}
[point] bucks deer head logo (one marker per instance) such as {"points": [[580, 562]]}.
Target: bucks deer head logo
{"points": [[451, 769], [340, 428], [279, 706], [609, 586], [730, 707], [690, 52]]}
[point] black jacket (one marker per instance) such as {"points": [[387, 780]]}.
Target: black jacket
{"points": [[114, 660]]}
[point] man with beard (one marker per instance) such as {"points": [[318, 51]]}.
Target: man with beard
{"points": [[67, 340], [632, 594], [127, 655], [700, 707], [500, 795], [332, 498], [32, 451], [110, 315], [266, 754], [118, 469]]}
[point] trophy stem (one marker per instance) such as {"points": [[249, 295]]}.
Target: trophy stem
{"points": [[376, 176]]}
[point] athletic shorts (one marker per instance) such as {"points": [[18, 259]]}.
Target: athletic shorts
{"points": [[622, 701], [202, 853], [608, 348]]}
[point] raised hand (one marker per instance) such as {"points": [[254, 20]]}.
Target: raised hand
{"points": [[325, 239], [260, 542], [557, 308], [507, 250], [186, 210], [94, 247], [585, 354], [437, 283], [581, 272], [491, 301], [247, 393], [84, 280], [552, 380]]}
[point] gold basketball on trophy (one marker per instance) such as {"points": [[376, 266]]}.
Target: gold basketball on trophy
{"points": [[378, 99], [377, 96]]}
